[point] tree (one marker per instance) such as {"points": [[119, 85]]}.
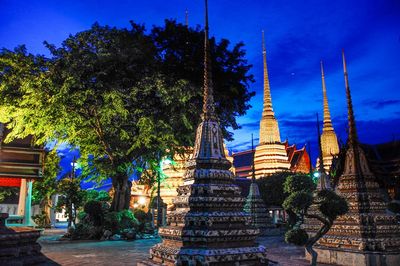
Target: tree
{"points": [[46, 187], [323, 205], [109, 92], [271, 188], [72, 198]]}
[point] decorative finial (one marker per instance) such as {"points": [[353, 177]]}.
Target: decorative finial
{"points": [[327, 115], [187, 18], [208, 100], [267, 110], [352, 139]]}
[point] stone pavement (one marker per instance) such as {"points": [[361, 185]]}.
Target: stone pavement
{"points": [[129, 253]]}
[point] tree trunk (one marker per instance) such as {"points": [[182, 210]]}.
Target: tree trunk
{"points": [[47, 209], [314, 255], [122, 193]]}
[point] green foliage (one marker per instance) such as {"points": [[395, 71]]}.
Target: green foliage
{"points": [[41, 220], [71, 199], [305, 203], [94, 209], [44, 188], [120, 95], [330, 204], [102, 196], [6, 192], [296, 236], [271, 188], [299, 182], [394, 207], [142, 218], [298, 201], [118, 221]]}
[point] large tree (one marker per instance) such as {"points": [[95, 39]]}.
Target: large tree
{"points": [[113, 94]]}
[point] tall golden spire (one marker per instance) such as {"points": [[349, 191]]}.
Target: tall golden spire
{"points": [[208, 100], [267, 110], [352, 138], [327, 115]]}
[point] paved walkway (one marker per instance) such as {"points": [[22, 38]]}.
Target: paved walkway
{"points": [[129, 253]]}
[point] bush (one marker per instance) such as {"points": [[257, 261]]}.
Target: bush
{"points": [[298, 201], [296, 236], [95, 211], [41, 220], [116, 222], [330, 204], [86, 231], [142, 217], [297, 183]]}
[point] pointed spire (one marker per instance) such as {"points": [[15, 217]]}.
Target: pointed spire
{"points": [[321, 157], [208, 100], [267, 110], [352, 138], [327, 115], [186, 18], [253, 168]]}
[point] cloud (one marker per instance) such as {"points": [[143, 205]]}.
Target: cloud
{"points": [[379, 104]]}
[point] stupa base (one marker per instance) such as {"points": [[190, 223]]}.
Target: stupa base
{"points": [[355, 258], [18, 246], [162, 255]]}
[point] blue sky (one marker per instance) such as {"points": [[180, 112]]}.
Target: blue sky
{"points": [[298, 35]]}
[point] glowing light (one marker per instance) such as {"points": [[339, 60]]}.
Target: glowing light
{"points": [[142, 201], [316, 174]]}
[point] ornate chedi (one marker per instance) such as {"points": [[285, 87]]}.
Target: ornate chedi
{"points": [[329, 142], [270, 156], [208, 226], [255, 205], [367, 234]]}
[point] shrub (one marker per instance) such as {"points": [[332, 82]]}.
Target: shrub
{"points": [[94, 209], [116, 222], [296, 236]]}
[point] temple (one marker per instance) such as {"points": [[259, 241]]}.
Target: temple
{"points": [[367, 234], [299, 160], [270, 155], [329, 142], [20, 164], [208, 226]]}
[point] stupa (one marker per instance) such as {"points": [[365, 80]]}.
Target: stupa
{"points": [[255, 205], [367, 234], [329, 142], [270, 156], [208, 226]]}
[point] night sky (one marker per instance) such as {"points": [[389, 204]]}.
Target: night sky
{"points": [[298, 35]]}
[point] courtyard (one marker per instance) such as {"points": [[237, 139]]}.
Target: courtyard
{"points": [[131, 252]]}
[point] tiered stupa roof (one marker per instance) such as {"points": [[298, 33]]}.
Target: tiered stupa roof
{"points": [[208, 226], [367, 234], [329, 142], [270, 156], [255, 205]]}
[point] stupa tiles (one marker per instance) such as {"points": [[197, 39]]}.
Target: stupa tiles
{"points": [[367, 234], [208, 226]]}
